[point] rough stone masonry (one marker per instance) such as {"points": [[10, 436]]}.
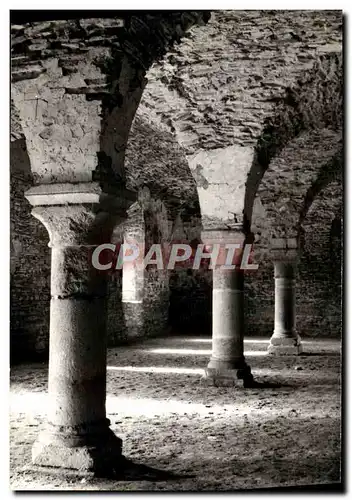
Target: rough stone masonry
{"points": [[189, 127]]}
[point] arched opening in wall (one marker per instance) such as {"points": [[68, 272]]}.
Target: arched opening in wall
{"points": [[319, 294], [314, 103], [156, 167], [303, 135], [29, 265], [84, 138], [311, 159], [215, 102]]}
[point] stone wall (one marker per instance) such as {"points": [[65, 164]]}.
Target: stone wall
{"points": [[192, 140], [29, 265], [179, 301], [145, 311], [318, 296], [319, 299], [217, 87]]}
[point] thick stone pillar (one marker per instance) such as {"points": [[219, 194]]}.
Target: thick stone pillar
{"points": [[227, 365], [285, 340], [78, 218], [76, 106]]}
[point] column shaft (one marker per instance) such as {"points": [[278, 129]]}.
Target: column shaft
{"points": [[227, 365], [228, 318], [77, 433], [285, 339], [77, 355]]}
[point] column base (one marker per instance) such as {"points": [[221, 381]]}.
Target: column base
{"points": [[225, 374], [100, 452], [285, 346]]}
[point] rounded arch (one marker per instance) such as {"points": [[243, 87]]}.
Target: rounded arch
{"points": [[216, 89], [317, 223], [330, 172], [156, 166], [309, 160], [77, 102], [314, 103], [155, 161]]}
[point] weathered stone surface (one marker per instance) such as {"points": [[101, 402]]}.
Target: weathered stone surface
{"points": [[99, 456], [29, 265], [221, 176], [157, 167], [222, 376], [79, 435], [283, 189], [261, 81], [144, 292], [285, 346], [285, 339], [173, 127], [217, 87], [74, 275], [319, 301], [227, 363], [74, 225], [88, 72]]}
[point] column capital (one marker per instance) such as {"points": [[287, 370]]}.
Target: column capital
{"points": [[223, 236], [285, 269], [78, 214], [284, 250]]}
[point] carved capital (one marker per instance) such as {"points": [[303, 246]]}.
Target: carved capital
{"points": [[78, 214]]}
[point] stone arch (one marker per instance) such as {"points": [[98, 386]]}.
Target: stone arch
{"points": [[314, 103], [156, 161], [77, 82], [217, 89], [331, 172], [310, 159], [303, 168], [157, 166], [167, 210], [324, 209]]}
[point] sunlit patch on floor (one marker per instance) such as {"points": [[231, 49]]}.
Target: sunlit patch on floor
{"points": [[32, 403], [182, 351], [158, 405], [158, 369], [209, 341], [199, 352]]}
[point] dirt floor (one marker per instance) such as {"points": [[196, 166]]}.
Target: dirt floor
{"points": [[182, 436]]}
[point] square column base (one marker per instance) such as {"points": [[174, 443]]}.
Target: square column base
{"points": [[285, 346], [101, 457], [227, 377]]}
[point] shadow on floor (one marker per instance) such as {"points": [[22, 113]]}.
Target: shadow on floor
{"points": [[126, 470], [322, 353], [254, 384]]}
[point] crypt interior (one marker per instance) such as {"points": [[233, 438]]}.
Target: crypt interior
{"points": [[176, 127]]}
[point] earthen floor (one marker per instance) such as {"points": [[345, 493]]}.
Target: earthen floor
{"points": [[203, 438]]}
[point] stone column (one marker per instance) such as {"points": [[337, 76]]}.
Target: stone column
{"points": [[227, 365], [133, 273], [78, 217], [285, 340]]}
